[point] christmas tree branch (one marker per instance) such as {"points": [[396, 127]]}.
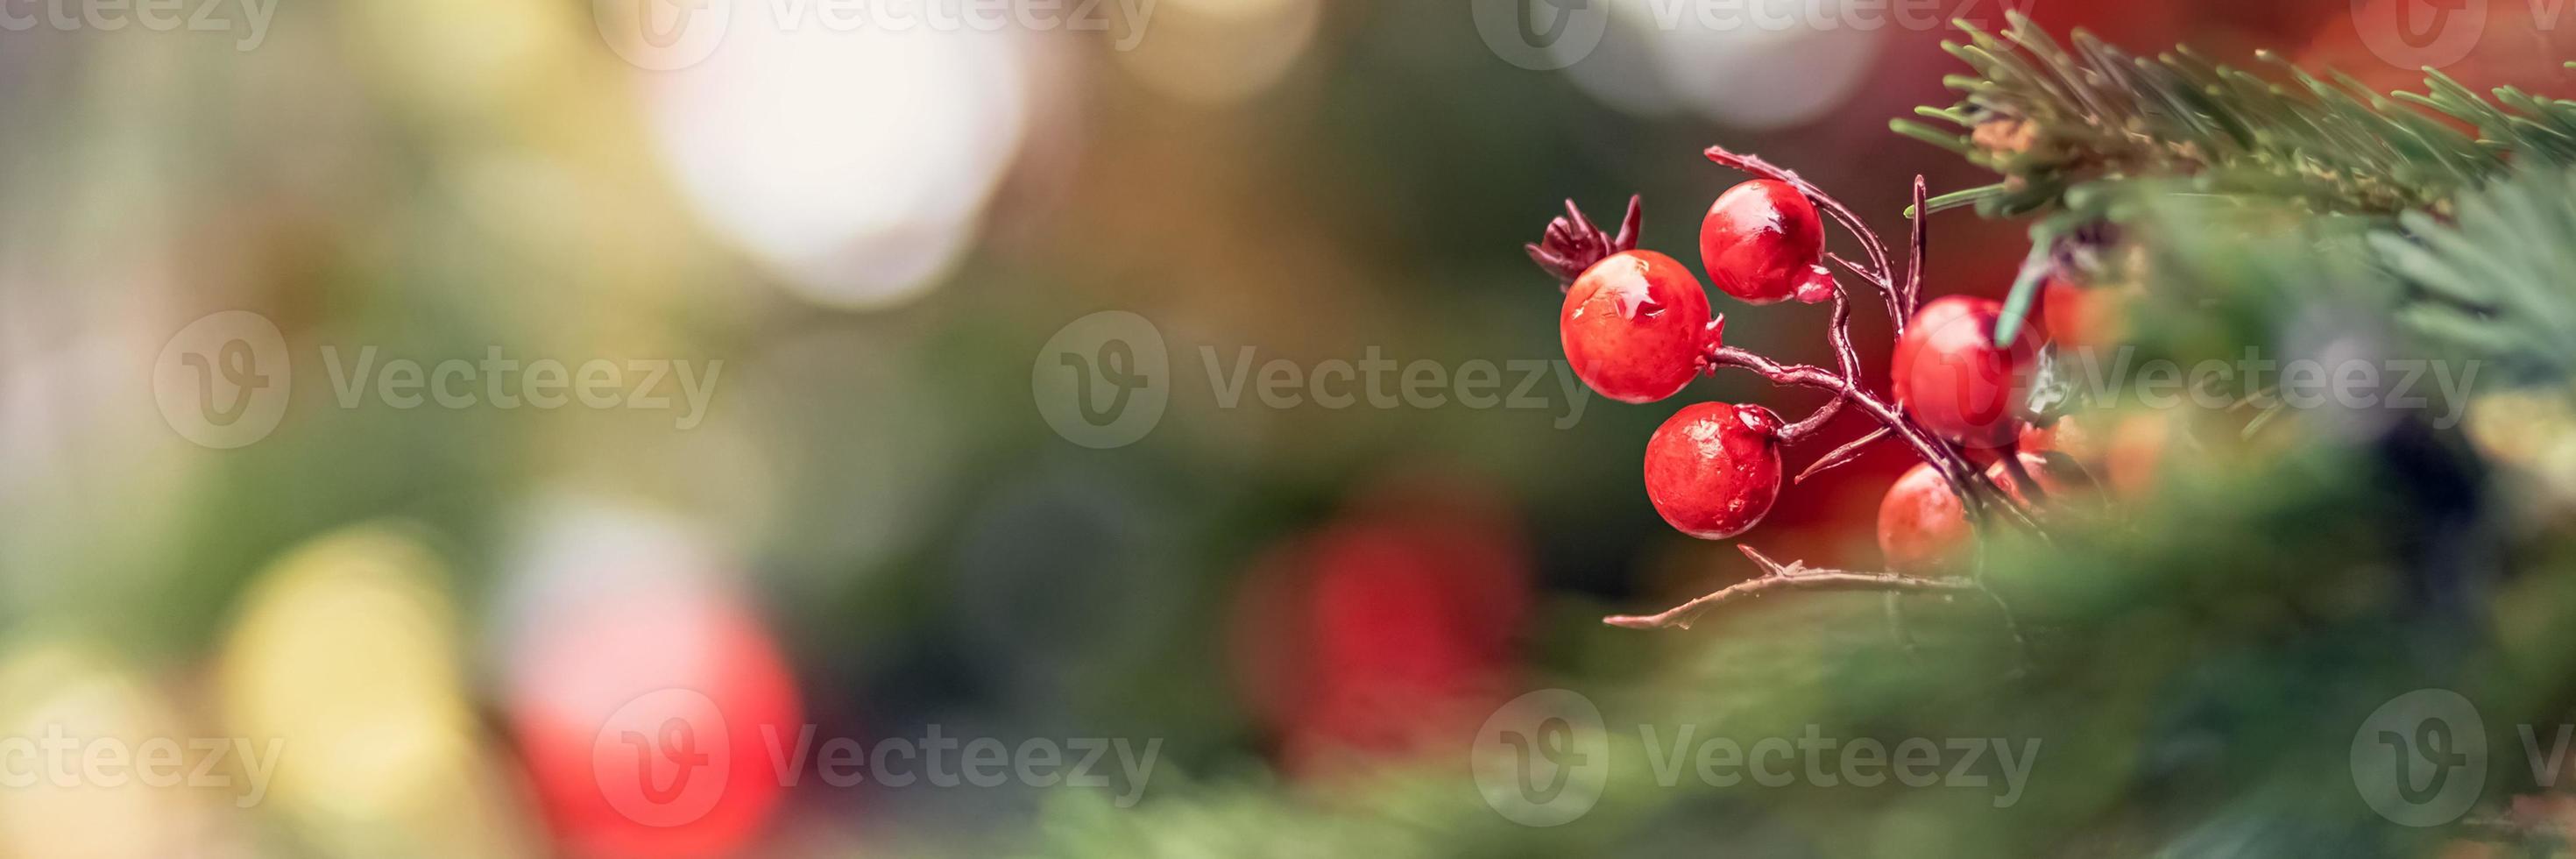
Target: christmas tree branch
{"points": [[2053, 120]]}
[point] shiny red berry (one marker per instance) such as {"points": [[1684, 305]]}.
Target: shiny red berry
{"points": [[1636, 326], [1921, 528], [1762, 242], [1951, 377], [1714, 468]]}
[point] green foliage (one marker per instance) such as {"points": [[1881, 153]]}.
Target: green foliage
{"points": [[2497, 282], [2065, 126]]}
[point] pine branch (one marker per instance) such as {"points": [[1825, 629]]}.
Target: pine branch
{"points": [[2493, 282], [2053, 120]]}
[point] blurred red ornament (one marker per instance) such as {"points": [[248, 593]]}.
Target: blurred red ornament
{"points": [[646, 718], [1387, 631]]}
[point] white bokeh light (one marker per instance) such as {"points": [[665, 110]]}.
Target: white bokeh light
{"points": [[855, 163], [1765, 64]]}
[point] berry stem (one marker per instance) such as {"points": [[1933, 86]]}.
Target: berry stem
{"points": [[1972, 486], [1839, 332], [2031, 491], [1920, 246]]}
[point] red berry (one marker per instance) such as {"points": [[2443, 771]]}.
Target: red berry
{"points": [[1714, 469], [1762, 241], [1923, 531], [1921, 528], [1952, 377], [1636, 326]]}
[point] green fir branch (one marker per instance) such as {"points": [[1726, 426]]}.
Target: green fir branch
{"points": [[2052, 119]]}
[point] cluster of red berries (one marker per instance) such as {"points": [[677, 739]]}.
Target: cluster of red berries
{"points": [[1637, 327]]}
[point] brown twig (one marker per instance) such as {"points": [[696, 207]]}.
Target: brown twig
{"points": [[1849, 451], [1794, 576], [2032, 494], [1838, 330], [1921, 245]]}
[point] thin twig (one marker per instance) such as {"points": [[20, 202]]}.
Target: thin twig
{"points": [[1792, 578], [1918, 248], [1838, 330], [2032, 494], [1840, 455]]}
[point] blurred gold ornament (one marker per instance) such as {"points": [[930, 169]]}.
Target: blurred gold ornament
{"points": [[345, 652], [94, 762]]}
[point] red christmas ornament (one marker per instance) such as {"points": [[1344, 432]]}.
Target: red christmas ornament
{"points": [[645, 719]]}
